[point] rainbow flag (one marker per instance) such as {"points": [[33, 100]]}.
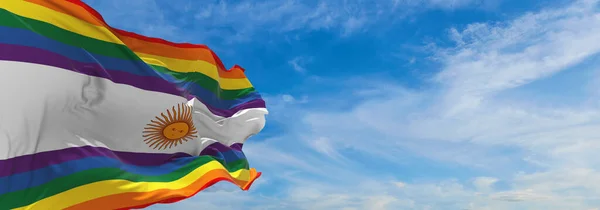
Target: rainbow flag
{"points": [[93, 117]]}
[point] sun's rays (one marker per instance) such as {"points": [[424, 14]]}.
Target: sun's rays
{"points": [[171, 129]]}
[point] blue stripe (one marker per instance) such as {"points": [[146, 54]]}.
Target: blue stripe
{"points": [[22, 181], [17, 36]]}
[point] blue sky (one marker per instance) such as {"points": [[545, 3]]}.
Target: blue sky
{"points": [[396, 104]]}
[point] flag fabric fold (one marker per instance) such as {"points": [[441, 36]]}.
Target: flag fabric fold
{"points": [[94, 117]]}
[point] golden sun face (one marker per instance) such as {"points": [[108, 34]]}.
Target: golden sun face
{"points": [[172, 129], [176, 130]]}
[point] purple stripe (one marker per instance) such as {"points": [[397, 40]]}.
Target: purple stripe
{"points": [[43, 159], [237, 146], [222, 147], [39, 56], [216, 148]]}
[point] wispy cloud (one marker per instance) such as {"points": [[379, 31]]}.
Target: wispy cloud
{"points": [[484, 184], [298, 63], [295, 63], [492, 57], [245, 21]]}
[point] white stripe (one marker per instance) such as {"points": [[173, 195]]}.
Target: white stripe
{"points": [[44, 108]]}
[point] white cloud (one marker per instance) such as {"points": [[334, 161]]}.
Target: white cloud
{"points": [[484, 184], [495, 57], [515, 196], [353, 24], [400, 184], [297, 64], [324, 146], [288, 98]]}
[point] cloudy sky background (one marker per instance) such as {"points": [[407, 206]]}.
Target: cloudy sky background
{"points": [[400, 104]]}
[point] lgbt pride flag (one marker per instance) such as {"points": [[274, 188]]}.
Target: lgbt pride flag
{"points": [[93, 117]]}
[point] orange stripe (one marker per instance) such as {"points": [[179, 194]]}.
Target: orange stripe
{"points": [[144, 199], [143, 44], [69, 9]]}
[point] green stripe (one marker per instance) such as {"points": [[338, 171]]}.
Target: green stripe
{"points": [[205, 82], [56, 186], [100, 47]]}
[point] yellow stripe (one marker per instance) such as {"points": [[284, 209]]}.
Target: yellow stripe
{"points": [[70, 23], [111, 187], [204, 67], [64, 21]]}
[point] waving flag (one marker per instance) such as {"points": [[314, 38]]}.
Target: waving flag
{"points": [[93, 117]]}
